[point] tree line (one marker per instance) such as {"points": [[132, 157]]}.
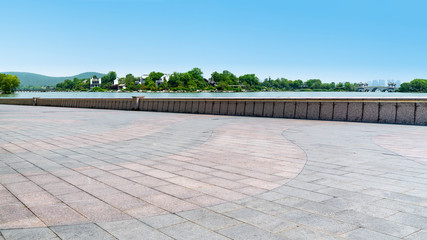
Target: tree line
{"points": [[193, 80]]}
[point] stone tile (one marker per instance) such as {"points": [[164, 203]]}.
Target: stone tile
{"points": [[83, 231], [409, 220], [326, 224], [376, 224], [190, 231], [303, 233], [57, 214], [248, 232], [161, 221], [420, 235], [363, 233], [261, 220], [29, 233], [208, 219], [132, 229]]}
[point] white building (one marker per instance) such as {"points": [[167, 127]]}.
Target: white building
{"points": [[95, 82], [163, 79]]}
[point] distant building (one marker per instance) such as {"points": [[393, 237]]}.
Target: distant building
{"points": [[141, 80], [95, 82], [116, 82], [163, 79]]}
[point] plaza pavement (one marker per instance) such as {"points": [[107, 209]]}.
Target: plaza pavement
{"points": [[68, 173]]}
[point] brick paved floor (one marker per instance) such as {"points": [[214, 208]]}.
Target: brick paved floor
{"points": [[99, 174]]}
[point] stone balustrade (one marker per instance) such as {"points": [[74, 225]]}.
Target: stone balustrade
{"points": [[374, 110]]}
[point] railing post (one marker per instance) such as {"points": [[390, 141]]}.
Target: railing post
{"points": [[35, 100], [136, 101]]}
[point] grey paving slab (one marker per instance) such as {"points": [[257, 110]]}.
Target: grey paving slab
{"points": [[190, 231], [420, 235], [30, 233], [304, 233], [132, 229], [84, 231], [248, 232], [161, 221], [363, 233]]}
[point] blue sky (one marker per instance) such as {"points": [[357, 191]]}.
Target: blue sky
{"points": [[333, 40]]}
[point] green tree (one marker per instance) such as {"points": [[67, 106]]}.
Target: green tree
{"points": [[313, 84], [8, 83], [107, 80], [405, 87], [250, 80], [418, 85], [155, 75]]}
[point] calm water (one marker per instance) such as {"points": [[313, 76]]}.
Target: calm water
{"points": [[207, 95]]}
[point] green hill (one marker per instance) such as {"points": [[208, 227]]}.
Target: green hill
{"points": [[33, 79]]}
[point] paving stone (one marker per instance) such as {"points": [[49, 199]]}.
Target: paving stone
{"points": [[83, 231], [363, 233], [161, 221], [248, 232], [375, 224], [208, 219], [420, 235], [190, 231], [303, 233], [409, 220], [29, 233], [261, 220], [318, 222], [132, 229]]}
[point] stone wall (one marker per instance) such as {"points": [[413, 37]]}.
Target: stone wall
{"points": [[374, 110]]}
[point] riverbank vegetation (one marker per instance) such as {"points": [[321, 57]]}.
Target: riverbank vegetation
{"points": [[193, 81], [416, 85], [8, 83]]}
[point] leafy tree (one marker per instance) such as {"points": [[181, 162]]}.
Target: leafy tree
{"points": [[418, 85], [155, 75], [9, 83], [107, 80], [250, 80], [150, 84], [313, 84], [405, 87]]}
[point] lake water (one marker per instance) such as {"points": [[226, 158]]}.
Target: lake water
{"points": [[209, 95]]}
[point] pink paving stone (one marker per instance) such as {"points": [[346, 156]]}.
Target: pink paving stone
{"points": [[97, 211], [126, 173], [187, 182], [147, 210], [58, 214], [193, 174], [138, 190], [225, 183], [123, 201], [205, 200], [23, 187], [60, 188], [37, 199], [260, 183], [169, 203], [159, 174], [149, 181], [221, 193], [178, 191], [44, 179]]}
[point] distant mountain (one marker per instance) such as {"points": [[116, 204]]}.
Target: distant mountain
{"points": [[33, 79]]}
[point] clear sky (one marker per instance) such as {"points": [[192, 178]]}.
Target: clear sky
{"points": [[333, 40]]}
